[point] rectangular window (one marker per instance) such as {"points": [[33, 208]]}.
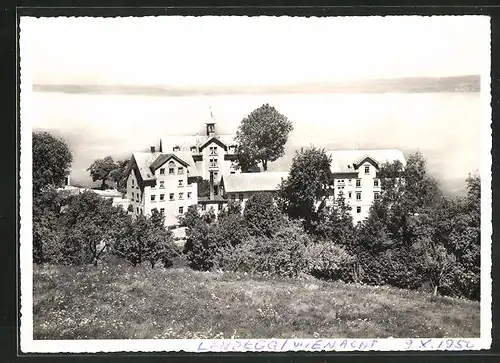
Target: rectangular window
{"points": [[358, 182], [137, 210], [162, 184], [162, 210], [189, 195], [180, 170], [132, 195], [367, 170], [132, 182], [358, 209], [216, 190], [171, 196], [213, 163], [153, 197], [376, 196], [358, 196], [162, 197], [350, 195], [181, 210], [181, 182], [162, 171], [203, 207], [213, 150], [181, 195], [241, 197], [170, 171], [375, 182]]}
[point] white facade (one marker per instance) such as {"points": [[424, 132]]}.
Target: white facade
{"points": [[359, 192], [169, 191], [355, 176]]}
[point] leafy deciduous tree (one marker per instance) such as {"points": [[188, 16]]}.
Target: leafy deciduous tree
{"points": [[305, 186], [262, 216], [101, 169], [51, 159], [262, 136]]}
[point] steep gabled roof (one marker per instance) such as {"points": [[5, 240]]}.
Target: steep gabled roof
{"points": [[163, 158], [253, 182], [146, 163], [344, 161], [214, 139]]}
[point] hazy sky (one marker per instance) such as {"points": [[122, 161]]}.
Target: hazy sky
{"points": [[239, 51], [185, 51]]}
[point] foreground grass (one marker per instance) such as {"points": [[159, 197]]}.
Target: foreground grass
{"points": [[122, 302]]}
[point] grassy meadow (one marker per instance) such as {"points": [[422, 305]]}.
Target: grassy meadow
{"points": [[117, 301]]}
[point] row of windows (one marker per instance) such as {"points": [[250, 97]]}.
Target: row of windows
{"points": [[162, 210], [171, 170], [376, 195], [162, 184], [358, 182], [171, 196]]}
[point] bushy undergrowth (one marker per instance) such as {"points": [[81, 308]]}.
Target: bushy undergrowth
{"points": [[282, 254], [329, 261]]}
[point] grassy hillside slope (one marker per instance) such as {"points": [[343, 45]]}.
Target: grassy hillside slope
{"points": [[140, 303]]}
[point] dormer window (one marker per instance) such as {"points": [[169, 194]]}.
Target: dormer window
{"points": [[194, 149], [177, 148]]}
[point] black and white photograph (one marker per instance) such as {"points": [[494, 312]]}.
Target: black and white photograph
{"points": [[230, 183]]}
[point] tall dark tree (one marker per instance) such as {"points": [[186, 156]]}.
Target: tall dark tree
{"points": [[262, 136], [51, 159], [101, 169], [305, 188], [118, 175]]}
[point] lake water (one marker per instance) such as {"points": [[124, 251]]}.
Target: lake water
{"points": [[445, 127]]}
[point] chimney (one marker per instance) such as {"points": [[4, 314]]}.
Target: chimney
{"points": [[152, 149]]}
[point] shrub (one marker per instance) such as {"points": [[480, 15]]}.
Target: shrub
{"points": [[329, 261], [146, 239], [282, 254], [262, 216], [91, 223], [207, 243]]}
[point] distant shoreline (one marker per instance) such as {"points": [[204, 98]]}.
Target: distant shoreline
{"points": [[469, 83]]}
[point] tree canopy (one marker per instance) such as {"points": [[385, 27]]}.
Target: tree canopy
{"points": [[106, 168], [118, 175], [262, 136], [305, 187], [52, 157]]}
